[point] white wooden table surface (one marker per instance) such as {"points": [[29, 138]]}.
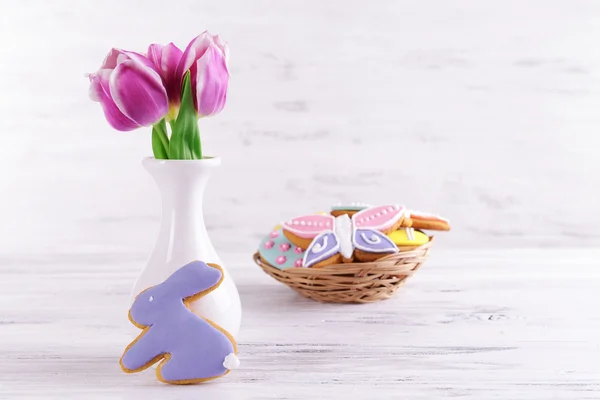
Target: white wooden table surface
{"points": [[500, 324]]}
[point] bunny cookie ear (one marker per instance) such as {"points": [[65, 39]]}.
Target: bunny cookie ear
{"points": [[194, 279]]}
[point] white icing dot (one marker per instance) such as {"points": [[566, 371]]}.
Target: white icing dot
{"points": [[328, 223], [320, 224], [302, 223], [390, 208], [384, 212], [378, 215], [295, 222], [151, 299], [309, 223]]}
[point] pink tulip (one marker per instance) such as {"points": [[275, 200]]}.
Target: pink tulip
{"points": [[165, 59], [206, 59], [129, 90]]}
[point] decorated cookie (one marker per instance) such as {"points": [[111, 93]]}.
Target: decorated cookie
{"points": [[279, 252], [347, 208], [421, 220], [329, 239], [382, 218], [302, 230], [408, 238], [277, 227], [190, 348]]}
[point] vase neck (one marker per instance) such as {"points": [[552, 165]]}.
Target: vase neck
{"points": [[182, 185], [183, 192]]}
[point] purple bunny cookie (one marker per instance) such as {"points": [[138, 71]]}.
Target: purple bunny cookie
{"points": [[192, 349]]}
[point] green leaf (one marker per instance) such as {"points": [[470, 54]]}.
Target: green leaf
{"points": [[185, 139], [160, 141]]}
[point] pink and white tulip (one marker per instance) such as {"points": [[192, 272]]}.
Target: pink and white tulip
{"points": [[130, 90], [165, 60], [206, 59]]}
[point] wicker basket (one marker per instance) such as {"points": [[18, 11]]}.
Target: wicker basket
{"points": [[351, 282]]}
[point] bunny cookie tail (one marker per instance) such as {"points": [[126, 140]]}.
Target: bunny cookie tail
{"points": [[231, 361]]}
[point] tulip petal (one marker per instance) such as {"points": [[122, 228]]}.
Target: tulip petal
{"points": [[100, 92], [222, 45], [165, 60], [171, 55], [117, 56], [110, 61], [212, 78], [194, 50], [155, 54], [140, 59], [138, 92]]}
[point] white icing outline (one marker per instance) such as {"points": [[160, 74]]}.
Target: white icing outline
{"points": [[343, 230], [398, 209], [318, 247], [392, 249], [372, 240], [324, 256], [410, 234], [353, 206], [314, 230]]}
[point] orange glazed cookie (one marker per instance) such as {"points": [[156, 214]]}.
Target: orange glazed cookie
{"points": [[421, 220]]}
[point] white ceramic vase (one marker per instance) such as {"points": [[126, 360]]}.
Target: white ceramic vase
{"points": [[183, 237]]}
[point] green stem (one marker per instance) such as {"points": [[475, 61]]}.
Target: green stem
{"points": [[199, 143], [160, 141], [185, 137]]}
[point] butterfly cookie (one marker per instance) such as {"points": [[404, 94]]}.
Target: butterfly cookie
{"points": [[332, 239]]}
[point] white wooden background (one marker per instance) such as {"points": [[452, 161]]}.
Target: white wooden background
{"points": [[484, 111]]}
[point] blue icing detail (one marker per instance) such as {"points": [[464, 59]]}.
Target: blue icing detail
{"points": [[270, 255], [349, 207]]}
